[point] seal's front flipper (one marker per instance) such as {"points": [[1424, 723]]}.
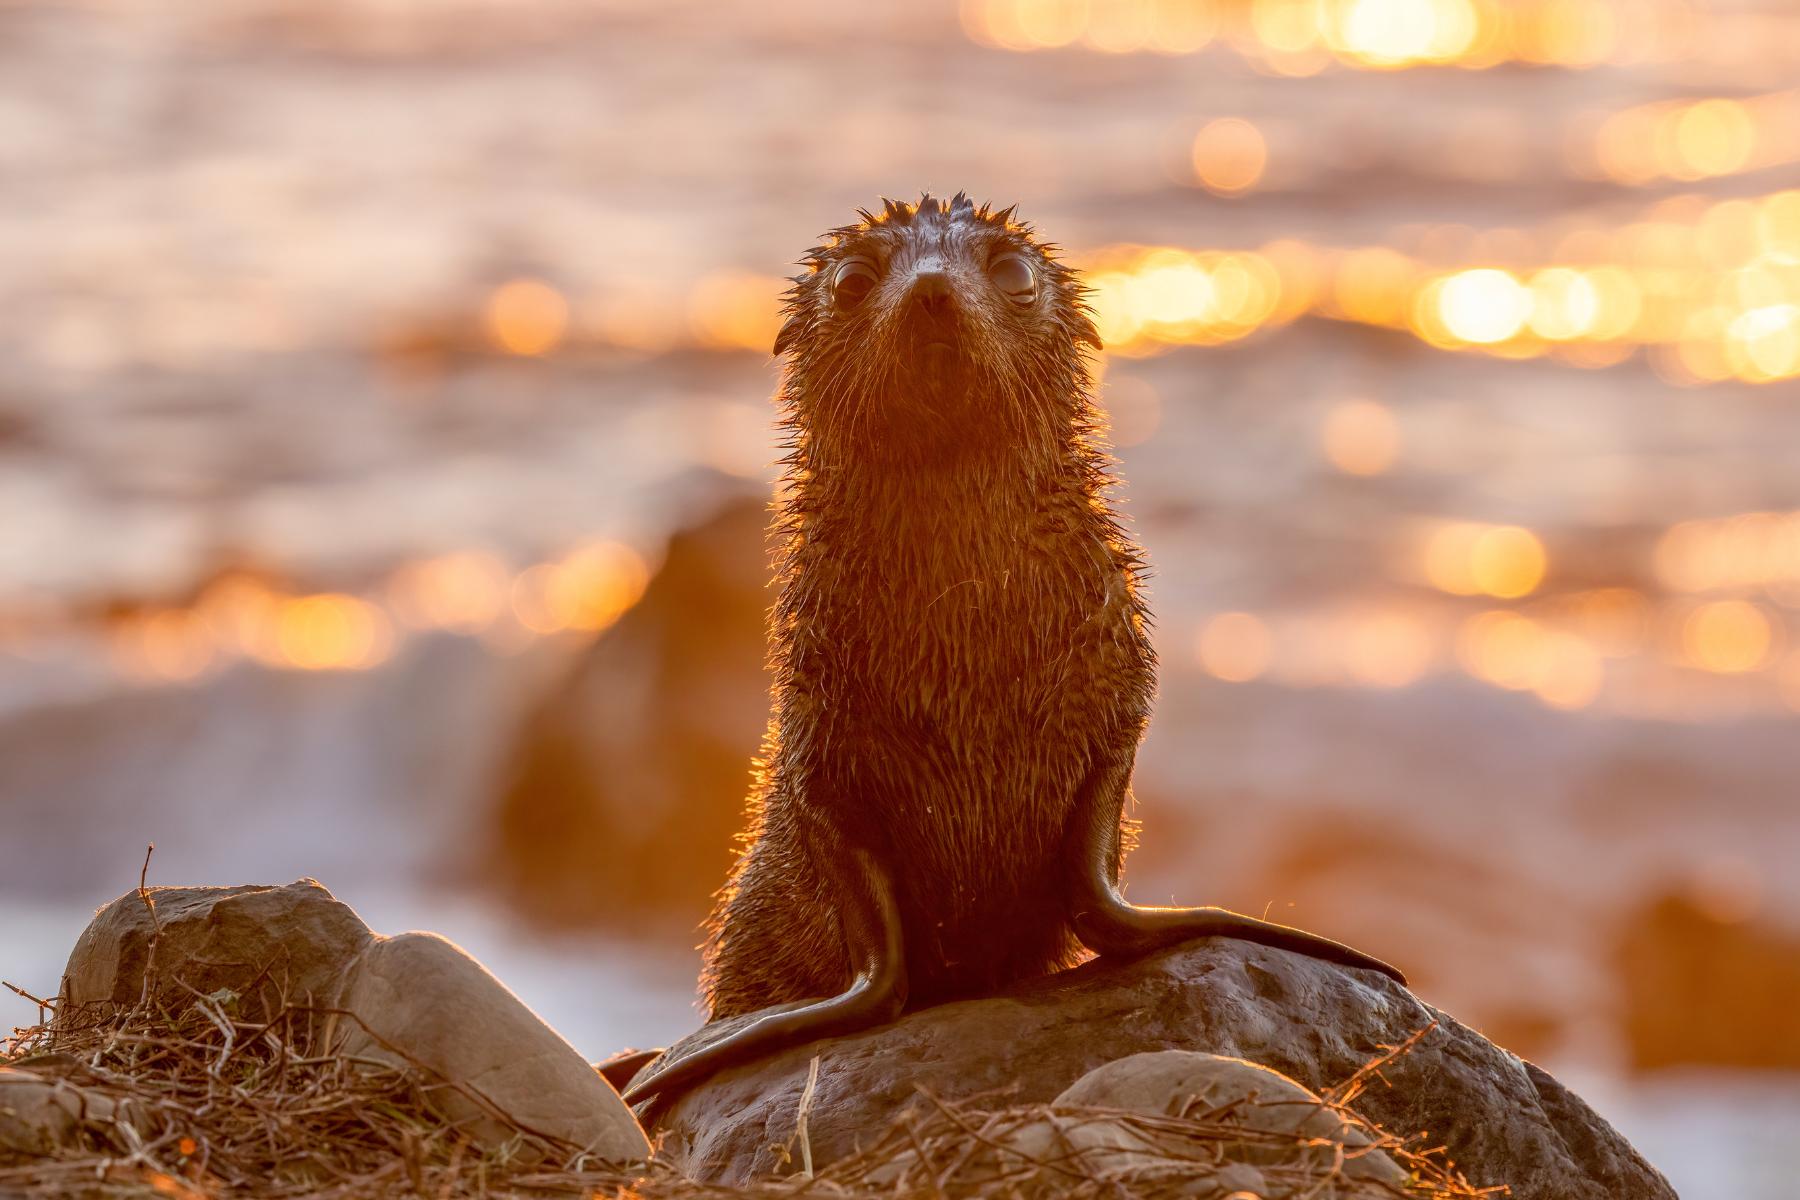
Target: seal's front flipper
{"points": [[871, 922], [624, 1066], [1108, 924]]}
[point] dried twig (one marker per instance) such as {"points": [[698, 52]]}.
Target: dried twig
{"points": [[806, 1103], [143, 892], [1344, 1092]]}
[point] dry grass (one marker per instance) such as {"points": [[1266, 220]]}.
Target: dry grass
{"points": [[194, 1101], [205, 1104]]}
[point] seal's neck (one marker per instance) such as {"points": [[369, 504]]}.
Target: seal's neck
{"points": [[934, 437], [919, 481]]}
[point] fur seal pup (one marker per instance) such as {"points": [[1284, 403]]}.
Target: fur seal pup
{"points": [[962, 664]]}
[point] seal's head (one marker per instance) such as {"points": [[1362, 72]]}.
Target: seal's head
{"points": [[934, 320]]}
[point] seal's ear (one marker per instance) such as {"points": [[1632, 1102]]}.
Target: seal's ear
{"points": [[790, 333]]}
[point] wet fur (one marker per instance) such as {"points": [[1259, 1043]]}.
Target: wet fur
{"points": [[959, 639]]}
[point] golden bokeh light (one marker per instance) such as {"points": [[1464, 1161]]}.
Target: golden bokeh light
{"points": [[1728, 637], [1692, 140], [595, 584], [1448, 552], [1750, 550], [240, 616], [1764, 344], [1500, 647], [527, 317], [586, 590], [1286, 27], [1512, 651], [1507, 562], [1713, 137], [1360, 437], [1108, 26], [1374, 286], [1716, 293], [332, 632], [530, 599], [1229, 156], [1116, 28], [1573, 33], [1465, 559], [1235, 647], [1684, 557], [1564, 304], [463, 592], [1715, 288], [1145, 298], [1300, 37], [1395, 33], [734, 310], [1571, 673], [1483, 306], [1052, 23], [240, 613]]}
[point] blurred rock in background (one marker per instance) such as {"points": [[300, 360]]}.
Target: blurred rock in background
{"points": [[1706, 982], [624, 787]]}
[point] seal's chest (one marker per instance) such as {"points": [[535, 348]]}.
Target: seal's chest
{"points": [[983, 669]]}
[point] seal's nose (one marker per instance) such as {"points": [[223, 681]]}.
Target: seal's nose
{"points": [[931, 290]]}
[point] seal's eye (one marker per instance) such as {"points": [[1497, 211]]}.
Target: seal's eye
{"points": [[1014, 276], [854, 280]]}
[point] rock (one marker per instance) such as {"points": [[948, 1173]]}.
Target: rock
{"points": [[625, 784], [416, 998], [220, 937], [1176, 1082], [1233, 1178], [37, 1113], [1708, 984], [423, 1001], [1502, 1120], [1090, 1126]]}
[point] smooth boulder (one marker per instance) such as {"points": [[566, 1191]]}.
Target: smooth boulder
{"points": [[1239, 1127], [1283, 1122], [422, 1001], [1502, 1121]]}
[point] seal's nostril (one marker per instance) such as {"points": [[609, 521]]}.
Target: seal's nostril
{"points": [[931, 289]]}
